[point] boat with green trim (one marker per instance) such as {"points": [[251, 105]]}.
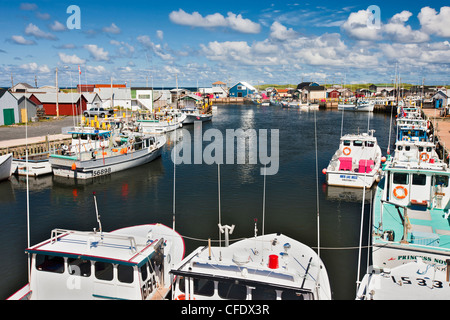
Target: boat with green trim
{"points": [[412, 208], [101, 152]]}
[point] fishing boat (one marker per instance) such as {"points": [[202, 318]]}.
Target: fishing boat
{"points": [[411, 209], [113, 153], [36, 165], [266, 267], [5, 166], [194, 114], [362, 105], [365, 105], [356, 163], [131, 263], [411, 281], [162, 124]]}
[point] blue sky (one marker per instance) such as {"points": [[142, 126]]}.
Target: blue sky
{"points": [[201, 42]]}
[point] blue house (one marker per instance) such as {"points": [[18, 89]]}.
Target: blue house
{"points": [[241, 89]]}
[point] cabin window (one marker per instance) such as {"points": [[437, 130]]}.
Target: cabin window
{"points": [[144, 272], [420, 149], [441, 180], [294, 295], [204, 287], [370, 144], [407, 148], [125, 273], [400, 178], [357, 143], [104, 271], [79, 267], [400, 148], [49, 263], [261, 293], [74, 135], [232, 291], [428, 149], [346, 142], [181, 283], [419, 179]]}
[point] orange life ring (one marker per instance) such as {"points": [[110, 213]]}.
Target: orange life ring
{"points": [[347, 151], [424, 156], [400, 196]]}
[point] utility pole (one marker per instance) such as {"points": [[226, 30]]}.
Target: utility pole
{"points": [[57, 91]]}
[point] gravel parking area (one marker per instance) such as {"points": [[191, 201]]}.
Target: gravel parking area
{"points": [[36, 129]]}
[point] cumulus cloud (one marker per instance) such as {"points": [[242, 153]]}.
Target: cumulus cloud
{"points": [[70, 59], [28, 6], [435, 23], [112, 29], [21, 40], [33, 30], [399, 32], [57, 26], [99, 54], [34, 67], [280, 32], [160, 34], [125, 49], [156, 48], [232, 21], [356, 26]]}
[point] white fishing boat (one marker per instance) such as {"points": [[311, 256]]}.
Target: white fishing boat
{"points": [[194, 114], [132, 263], [356, 163], [267, 267], [365, 105], [362, 105], [411, 281], [162, 124], [36, 165], [5, 166], [115, 153]]}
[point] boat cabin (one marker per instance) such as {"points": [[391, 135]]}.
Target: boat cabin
{"points": [[418, 184], [89, 139], [357, 153], [96, 265]]}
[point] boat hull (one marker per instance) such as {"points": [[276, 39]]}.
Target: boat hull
{"points": [[62, 166], [351, 179], [191, 118], [33, 168], [5, 166]]}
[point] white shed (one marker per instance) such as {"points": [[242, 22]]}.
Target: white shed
{"points": [[9, 110]]}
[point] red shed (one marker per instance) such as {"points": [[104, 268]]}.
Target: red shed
{"points": [[334, 94], [69, 104]]}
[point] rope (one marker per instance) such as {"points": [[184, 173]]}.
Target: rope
{"points": [[239, 239]]}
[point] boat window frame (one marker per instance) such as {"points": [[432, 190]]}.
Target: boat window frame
{"points": [[47, 267], [394, 181]]}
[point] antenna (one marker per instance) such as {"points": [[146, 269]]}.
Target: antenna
{"points": [[317, 187], [96, 213]]}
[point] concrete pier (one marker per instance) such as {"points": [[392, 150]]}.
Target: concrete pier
{"points": [[36, 145]]}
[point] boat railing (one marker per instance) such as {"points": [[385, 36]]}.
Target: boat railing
{"points": [[95, 238]]}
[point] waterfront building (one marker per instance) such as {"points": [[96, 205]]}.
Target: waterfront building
{"points": [[9, 111], [242, 89]]}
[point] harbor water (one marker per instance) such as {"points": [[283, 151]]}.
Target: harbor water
{"points": [[294, 197]]}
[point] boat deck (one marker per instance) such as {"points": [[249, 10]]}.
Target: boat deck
{"points": [[429, 227]]}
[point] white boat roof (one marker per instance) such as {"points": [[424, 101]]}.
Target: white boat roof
{"points": [[361, 136], [411, 281], [298, 266], [127, 246]]}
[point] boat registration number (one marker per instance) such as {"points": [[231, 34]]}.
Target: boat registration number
{"points": [[101, 172], [343, 176]]}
